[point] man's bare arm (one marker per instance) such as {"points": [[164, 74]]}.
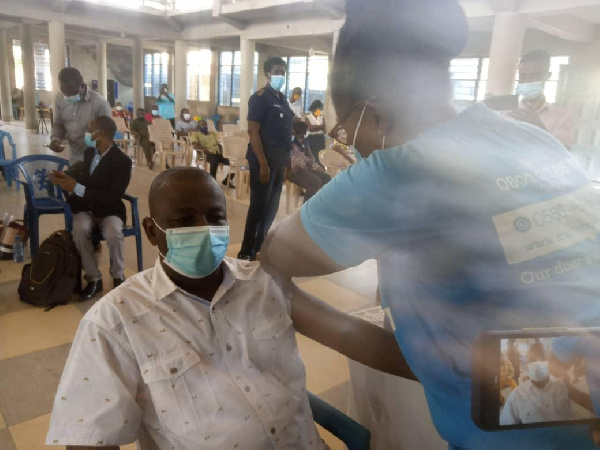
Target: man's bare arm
{"points": [[351, 336]]}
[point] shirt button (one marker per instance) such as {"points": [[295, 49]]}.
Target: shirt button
{"points": [[228, 348], [273, 430], [247, 388], [173, 370]]}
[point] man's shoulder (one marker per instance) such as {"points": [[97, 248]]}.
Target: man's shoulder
{"points": [[131, 299]]}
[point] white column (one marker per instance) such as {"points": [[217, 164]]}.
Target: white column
{"points": [[505, 51], [101, 60], [247, 48], [5, 91], [138, 74], [180, 85], [261, 79], [28, 76], [56, 33], [329, 112], [214, 86]]}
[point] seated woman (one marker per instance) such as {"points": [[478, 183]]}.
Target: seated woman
{"points": [[316, 127], [305, 172], [208, 142], [185, 123]]}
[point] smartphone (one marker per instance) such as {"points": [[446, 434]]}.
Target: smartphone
{"points": [[534, 378], [502, 102]]}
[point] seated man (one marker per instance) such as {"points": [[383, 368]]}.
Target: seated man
{"points": [[199, 352], [305, 172], [96, 202], [139, 129], [539, 399], [208, 142]]}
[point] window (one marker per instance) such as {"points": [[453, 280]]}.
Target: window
{"points": [[156, 72], [310, 74], [41, 56], [198, 75], [230, 64], [470, 75]]}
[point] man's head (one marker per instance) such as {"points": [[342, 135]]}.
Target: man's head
{"points": [[164, 87], [203, 126], [537, 365], [534, 66], [70, 80], [154, 110], [140, 113], [185, 114], [275, 69], [183, 197], [103, 131], [297, 93], [300, 129], [119, 106], [392, 60]]}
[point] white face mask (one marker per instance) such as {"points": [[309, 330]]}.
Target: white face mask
{"points": [[119, 108], [538, 371], [530, 90], [186, 117], [357, 154]]}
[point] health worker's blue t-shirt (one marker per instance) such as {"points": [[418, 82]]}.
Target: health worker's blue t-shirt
{"points": [[478, 224]]}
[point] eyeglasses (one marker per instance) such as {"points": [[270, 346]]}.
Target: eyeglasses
{"points": [[338, 132]]}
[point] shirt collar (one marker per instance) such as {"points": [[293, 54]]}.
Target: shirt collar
{"points": [[272, 90], [163, 286], [88, 93]]}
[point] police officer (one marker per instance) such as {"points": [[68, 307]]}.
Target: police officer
{"points": [[270, 128]]}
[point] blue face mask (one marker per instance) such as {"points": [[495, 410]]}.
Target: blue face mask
{"points": [[530, 90], [89, 141], [203, 130], [277, 81], [195, 252], [73, 98]]}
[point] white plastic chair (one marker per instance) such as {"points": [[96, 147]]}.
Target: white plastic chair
{"points": [[229, 129], [124, 142], [293, 196], [211, 125], [161, 134], [234, 149], [333, 162]]}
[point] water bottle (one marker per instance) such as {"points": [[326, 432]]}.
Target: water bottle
{"points": [[19, 250]]}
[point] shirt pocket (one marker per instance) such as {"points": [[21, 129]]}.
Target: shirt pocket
{"points": [[274, 348], [181, 392]]}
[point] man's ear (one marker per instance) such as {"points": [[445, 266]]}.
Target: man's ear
{"points": [[150, 229]]}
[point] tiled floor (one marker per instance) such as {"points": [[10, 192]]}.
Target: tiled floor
{"points": [[34, 344]]}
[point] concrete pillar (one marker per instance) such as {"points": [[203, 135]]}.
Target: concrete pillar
{"points": [[505, 51], [101, 61], [329, 109], [138, 73], [180, 85], [5, 91], [56, 33], [11, 65], [261, 79], [171, 71], [28, 76], [247, 48], [214, 79]]}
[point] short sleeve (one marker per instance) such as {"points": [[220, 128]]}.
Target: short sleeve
{"points": [[96, 400], [256, 108], [368, 209]]}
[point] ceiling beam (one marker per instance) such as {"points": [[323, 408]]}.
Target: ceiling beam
{"points": [[564, 26], [60, 6], [331, 11], [553, 6], [173, 24]]}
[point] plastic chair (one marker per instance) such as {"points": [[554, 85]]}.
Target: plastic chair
{"points": [[333, 162], [5, 163], [41, 196], [121, 140], [134, 230], [292, 196], [234, 149], [350, 432], [161, 134], [211, 126], [230, 129]]}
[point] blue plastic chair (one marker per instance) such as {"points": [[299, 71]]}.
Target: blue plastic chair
{"points": [[41, 196], [350, 432], [134, 230], [5, 163]]}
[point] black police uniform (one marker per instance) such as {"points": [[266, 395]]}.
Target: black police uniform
{"points": [[270, 108]]}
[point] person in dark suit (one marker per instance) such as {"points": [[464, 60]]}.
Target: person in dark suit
{"points": [[95, 200]]}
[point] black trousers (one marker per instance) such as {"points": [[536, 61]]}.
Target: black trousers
{"points": [[214, 159], [317, 143], [172, 122], [310, 180], [264, 203]]}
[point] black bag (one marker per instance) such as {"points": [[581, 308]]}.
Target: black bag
{"points": [[52, 275]]}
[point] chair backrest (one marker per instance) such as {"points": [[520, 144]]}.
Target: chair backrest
{"points": [[3, 154], [229, 129], [235, 147], [161, 131], [211, 126], [121, 125], [36, 170], [332, 161]]}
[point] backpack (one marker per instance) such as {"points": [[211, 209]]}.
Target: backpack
{"points": [[53, 273]]}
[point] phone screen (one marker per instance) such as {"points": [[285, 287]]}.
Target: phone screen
{"points": [[534, 390], [532, 379]]}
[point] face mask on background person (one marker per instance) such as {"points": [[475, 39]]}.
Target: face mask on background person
{"points": [[530, 90], [73, 98], [195, 252], [296, 97], [119, 108], [318, 112], [538, 371], [186, 117], [277, 82], [203, 130], [88, 140], [154, 112]]}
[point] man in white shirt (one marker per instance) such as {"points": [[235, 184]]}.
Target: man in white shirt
{"points": [[534, 71], [200, 351], [539, 399], [297, 103]]}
